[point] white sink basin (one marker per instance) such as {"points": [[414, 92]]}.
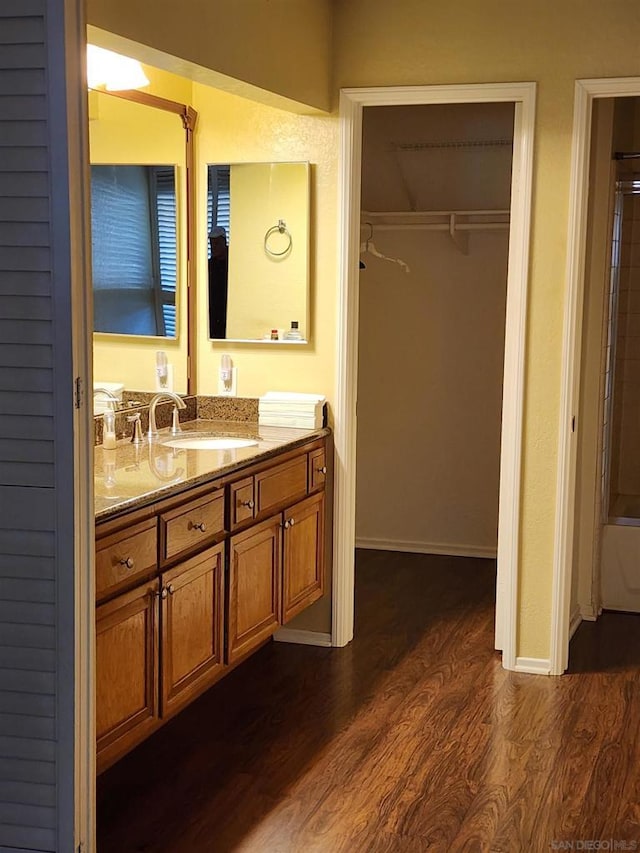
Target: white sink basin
{"points": [[204, 442]]}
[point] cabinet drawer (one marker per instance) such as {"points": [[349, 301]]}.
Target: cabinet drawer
{"points": [[242, 501], [317, 469], [191, 525], [281, 484], [126, 556]]}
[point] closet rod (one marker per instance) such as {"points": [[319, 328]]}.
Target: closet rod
{"points": [[626, 155], [433, 226], [416, 213]]}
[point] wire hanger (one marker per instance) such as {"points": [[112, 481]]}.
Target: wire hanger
{"points": [[369, 246]]}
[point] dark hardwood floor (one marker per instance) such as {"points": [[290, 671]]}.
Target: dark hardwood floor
{"points": [[413, 738]]}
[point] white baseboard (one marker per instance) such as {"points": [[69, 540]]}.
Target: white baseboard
{"points": [[574, 622], [445, 548], [535, 666], [587, 613], [303, 638]]}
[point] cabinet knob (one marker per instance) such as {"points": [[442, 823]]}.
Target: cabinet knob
{"points": [[163, 592], [322, 470], [199, 525], [127, 562], [286, 524], [170, 589], [292, 521], [248, 504]]}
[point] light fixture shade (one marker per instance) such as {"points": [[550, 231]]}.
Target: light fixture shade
{"points": [[113, 71]]}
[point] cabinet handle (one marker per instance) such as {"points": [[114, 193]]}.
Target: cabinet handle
{"points": [[163, 592], [199, 525], [322, 470], [170, 589], [248, 504], [127, 562]]}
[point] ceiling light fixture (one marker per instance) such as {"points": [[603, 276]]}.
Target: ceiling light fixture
{"points": [[113, 71]]}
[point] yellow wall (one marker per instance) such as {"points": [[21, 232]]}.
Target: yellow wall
{"points": [[232, 130], [121, 131], [410, 42], [277, 46]]}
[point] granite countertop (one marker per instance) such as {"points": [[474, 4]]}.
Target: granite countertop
{"points": [[132, 476]]}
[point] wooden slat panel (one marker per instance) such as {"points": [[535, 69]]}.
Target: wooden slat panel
{"points": [[22, 30], [22, 81], [23, 107], [27, 474], [26, 838], [25, 331], [26, 379], [27, 703], [14, 234], [18, 450], [24, 209], [29, 636], [22, 681], [27, 355], [22, 566], [21, 8], [27, 726], [30, 258], [27, 509], [32, 308], [22, 55], [26, 589], [26, 793], [23, 184], [21, 770], [27, 404], [18, 283], [27, 613], [38, 543], [26, 749]]}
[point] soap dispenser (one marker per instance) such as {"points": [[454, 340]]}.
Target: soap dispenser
{"points": [[109, 430]]}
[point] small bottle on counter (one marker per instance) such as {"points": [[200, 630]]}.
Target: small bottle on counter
{"points": [[274, 334], [293, 334], [109, 430]]}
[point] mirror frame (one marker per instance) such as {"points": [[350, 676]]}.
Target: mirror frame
{"points": [[189, 118]]}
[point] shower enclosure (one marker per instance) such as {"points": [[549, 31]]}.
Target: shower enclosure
{"points": [[620, 555]]}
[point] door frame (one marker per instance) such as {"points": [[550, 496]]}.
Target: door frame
{"points": [[352, 102], [586, 91]]}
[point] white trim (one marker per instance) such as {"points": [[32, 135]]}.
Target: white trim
{"points": [[585, 92], [303, 638], [444, 548], [533, 666], [352, 102], [575, 622]]}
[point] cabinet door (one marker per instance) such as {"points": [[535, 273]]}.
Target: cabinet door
{"points": [[126, 671], [303, 577], [192, 628], [254, 587]]}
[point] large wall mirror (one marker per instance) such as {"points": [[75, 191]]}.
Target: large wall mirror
{"points": [[142, 195], [258, 250], [134, 247]]}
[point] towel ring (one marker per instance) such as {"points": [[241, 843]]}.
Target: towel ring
{"points": [[280, 228]]}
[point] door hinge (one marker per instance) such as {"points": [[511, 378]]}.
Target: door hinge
{"points": [[80, 847], [79, 392], [573, 424]]}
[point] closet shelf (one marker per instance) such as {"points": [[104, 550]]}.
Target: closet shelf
{"points": [[457, 223]]}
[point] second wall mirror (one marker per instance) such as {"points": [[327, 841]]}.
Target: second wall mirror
{"points": [[258, 251]]}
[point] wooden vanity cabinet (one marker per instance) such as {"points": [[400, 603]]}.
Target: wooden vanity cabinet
{"points": [[192, 633], [127, 671], [189, 587], [303, 550], [255, 569]]}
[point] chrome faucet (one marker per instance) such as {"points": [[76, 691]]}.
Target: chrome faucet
{"points": [[159, 398], [113, 400]]}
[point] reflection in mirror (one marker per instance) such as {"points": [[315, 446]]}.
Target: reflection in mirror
{"points": [[258, 251], [134, 249]]}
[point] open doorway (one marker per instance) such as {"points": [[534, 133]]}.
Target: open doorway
{"points": [[436, 187], [521, 96]]}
